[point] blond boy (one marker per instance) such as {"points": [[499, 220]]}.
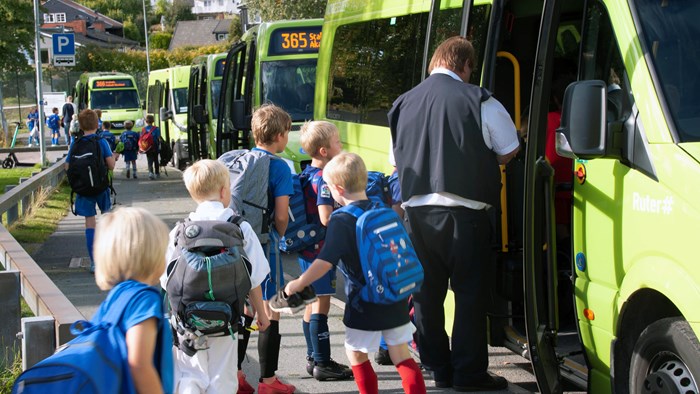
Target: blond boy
{"points": [[366, 323], [212, 370]]}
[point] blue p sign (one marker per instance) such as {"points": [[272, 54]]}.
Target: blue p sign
{"points": [[63, 44]]}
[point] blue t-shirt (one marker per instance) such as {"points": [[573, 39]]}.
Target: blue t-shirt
{"points": [[340, 248], [280, 180], [104, 146], [143, 306], [110, 138], [395, 187], [33, 117]]}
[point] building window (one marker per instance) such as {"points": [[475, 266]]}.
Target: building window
{"points": [[221, 36], [58, 17]]}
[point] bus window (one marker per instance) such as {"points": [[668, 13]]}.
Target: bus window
{"points": [[180, 98], [290, 84], [376, 61], [214, 94]]}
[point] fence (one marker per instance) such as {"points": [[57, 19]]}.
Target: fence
{"points": [[22, 276]]}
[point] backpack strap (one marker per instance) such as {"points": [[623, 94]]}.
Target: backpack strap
{"points": [[351, 209]]}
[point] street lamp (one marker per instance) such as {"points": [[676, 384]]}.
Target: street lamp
{"points": [[145, 32]]}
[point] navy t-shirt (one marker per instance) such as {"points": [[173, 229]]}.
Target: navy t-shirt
{"points": [[340, 247]]}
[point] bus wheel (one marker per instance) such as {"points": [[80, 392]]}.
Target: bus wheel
{"points": [[177, 161], [666, 359]]}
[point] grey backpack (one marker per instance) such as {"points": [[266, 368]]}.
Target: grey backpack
{"points": [[249, 171], [208, 280]]}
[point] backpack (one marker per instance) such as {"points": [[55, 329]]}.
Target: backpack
{"points": [[302, 232], [166, 152], [146, 139], [53, 121], [249, 171], [378, 188], [110, 138], [93, 362], [87, 170], [208, 279], [389, 263], [130, 141]]}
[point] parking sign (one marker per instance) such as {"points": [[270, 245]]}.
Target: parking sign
{"points": [[63, 49]]}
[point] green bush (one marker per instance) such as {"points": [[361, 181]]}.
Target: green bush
{"points": [[160, 40]]}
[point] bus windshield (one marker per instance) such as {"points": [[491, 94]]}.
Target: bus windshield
{"points": [[290, 84], [180, 97], [670, 31], [114, 99]]}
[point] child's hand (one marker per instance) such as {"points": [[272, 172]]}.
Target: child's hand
{"points": [[292, 287], [263, 321]]}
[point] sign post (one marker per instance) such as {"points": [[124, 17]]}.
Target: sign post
{"points": [[63, 49]]}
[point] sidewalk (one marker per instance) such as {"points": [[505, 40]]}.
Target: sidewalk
{"points": [[169, 200]]}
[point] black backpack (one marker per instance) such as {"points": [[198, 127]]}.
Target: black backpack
{"points": [[87, 170], [208, 280], [166, 152]]}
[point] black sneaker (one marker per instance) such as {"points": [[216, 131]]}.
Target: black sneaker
{"points": [[331, 370], [282, 303], [382, 357], [310, 365], [489, 383], [308, 295]]}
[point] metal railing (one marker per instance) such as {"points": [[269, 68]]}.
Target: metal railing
{"points": [[23, 276]]}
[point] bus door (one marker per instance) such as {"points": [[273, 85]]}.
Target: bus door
{"points": [[165, 104], [196, 114], [236, 101]]}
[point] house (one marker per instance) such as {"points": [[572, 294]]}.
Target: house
{"points": [[90, 27], [200, 33], [215, 9]]}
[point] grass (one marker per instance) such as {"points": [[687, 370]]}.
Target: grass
{"points": [[10, 176], [31, 231]]}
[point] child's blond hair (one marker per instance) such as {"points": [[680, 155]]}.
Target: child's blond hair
{"points": [[316, 135], [130, 243], [205, 178], [268, 122], [348, 171]]}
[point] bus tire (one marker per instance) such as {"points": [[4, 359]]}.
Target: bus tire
{"points": [[177, 161], [666, 358]]}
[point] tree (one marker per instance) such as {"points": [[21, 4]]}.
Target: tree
{"points": [[17, 32], [179, 11], [124, 11], [272, 10]]}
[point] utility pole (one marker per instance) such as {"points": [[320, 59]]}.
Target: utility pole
{"points": [[145, 32], [39, 90]]}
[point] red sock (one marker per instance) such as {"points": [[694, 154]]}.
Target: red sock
{"points": [[411, 376], [366, 379]]}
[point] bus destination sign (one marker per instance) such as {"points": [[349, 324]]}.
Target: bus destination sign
{"points": [[295, 40], [112, 83]]}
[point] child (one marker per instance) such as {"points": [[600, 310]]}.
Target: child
{"points": [[122, 263], [109, 137], [321, 141], [365, 322], [75, 129], [85, 205], [152, 151], [32, 125], [270, 126], [211, 370], [54, 124], [130, 140]]}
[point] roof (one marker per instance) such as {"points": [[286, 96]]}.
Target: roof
{"points": [[74, 11], [198, 33], [98, 38]]}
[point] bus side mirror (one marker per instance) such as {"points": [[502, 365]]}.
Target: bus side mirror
{"points": [[583, 129], [240, 120], [165, 114], [199, 115]]}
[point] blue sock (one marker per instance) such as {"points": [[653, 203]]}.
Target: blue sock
{"points": [[307, 335], [382, 344], [90, 238], [320, 337]]}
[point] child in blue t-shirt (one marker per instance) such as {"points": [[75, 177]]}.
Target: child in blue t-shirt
{"points": [[365, 322], [129, 254], [130, 141], [321, 141], [32, 125], [53, 121], [270, 126], [85, 205], [107, 135]]}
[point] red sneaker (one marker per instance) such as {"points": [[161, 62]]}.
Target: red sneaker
{"points": [[243, 386], [275, 387]]}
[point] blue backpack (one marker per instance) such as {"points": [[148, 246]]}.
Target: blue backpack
{"points": [[301, 234], [378, 188], [93, 362], [130, 140], [390, 266], [52, 121]]}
